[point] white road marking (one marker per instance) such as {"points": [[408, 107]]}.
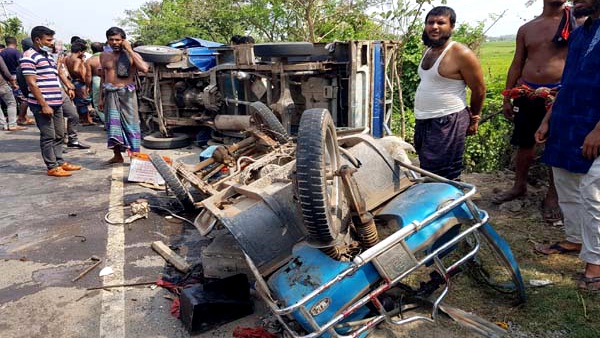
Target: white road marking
{"points": [[112, 318]]}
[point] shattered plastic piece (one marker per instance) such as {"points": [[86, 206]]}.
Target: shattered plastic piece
{"points": [[503, 325], [106, 271], [540, 282]]}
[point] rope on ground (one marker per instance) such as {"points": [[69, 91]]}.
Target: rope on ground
{"points": [[173, 214], [140, 209]]}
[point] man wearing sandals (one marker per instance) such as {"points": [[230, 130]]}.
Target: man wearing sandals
{"points": [[571, 130], [45, 100], [531, 84]]}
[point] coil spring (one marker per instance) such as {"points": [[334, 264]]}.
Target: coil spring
{"points": [[333, 252], [367, 234]]}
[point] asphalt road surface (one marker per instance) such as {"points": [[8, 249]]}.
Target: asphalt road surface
{"points": [[50, 227]]}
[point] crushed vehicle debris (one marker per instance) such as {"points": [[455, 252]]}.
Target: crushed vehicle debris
{"points": [[338, 229]]}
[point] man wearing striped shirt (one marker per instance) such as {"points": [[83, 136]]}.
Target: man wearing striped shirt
{"points": [[45, 100]]}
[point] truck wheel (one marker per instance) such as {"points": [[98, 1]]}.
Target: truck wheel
{"points": [[179, 190], [159, 54], [320, 190], [268, 122], [284, 49], [158, 141]]}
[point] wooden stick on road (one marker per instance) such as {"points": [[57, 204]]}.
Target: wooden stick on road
{"points": [[178, 262], [86, 271]]}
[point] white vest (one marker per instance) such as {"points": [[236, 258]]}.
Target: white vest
{"points": [[436, 95]]}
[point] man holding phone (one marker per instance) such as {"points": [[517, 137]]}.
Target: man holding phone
{"points": [[118, 98]]}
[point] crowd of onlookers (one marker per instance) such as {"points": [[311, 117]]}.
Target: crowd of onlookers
{"points": [[57, 85]]}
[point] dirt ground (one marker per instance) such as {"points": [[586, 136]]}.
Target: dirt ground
{"points": [[558, 309]]}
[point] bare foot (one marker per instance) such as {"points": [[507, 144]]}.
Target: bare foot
{"points": [[507, 196]]}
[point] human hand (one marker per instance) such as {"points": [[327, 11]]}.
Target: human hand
{"points": [[507, 110], [541, 135], [71, 93], [591, 144], [47, 110], [126, 45], [473, 127], [101, 104]]}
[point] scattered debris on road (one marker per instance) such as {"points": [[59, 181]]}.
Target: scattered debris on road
{"points": [[97, 261], [170, 256]]}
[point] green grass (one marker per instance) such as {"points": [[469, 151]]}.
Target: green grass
{"points": [[495, 58]]}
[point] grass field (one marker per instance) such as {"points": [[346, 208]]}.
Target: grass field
{"points": [[495, 59]]}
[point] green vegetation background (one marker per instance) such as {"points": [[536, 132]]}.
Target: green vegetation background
{"points": [[490, 149]]}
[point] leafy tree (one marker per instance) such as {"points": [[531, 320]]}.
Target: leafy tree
{"points": [[12, 27], [267, 20]]}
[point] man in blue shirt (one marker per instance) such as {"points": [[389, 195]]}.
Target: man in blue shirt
{"points": [[572, 128], [11, 56]]}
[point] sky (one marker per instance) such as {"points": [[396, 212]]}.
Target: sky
{"points": [[90, 19]]}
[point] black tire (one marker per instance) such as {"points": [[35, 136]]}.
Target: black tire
{"points": [[268, 122], [179, 190], [320, 192], [157, 141], [284, 49], [159, 54]]}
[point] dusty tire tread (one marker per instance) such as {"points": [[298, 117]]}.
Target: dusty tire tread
{"points": [[309, 168], [179, 190], [272, 126]]}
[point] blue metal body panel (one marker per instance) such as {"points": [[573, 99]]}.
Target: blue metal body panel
{"points": [[309, 269], [420, 201], [378, 90], [502, 245]]}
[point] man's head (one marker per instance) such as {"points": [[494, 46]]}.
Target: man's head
{"points": [[10, 41], [115, 37], [583, 8], [80, 41], [75, 38], [439, 24], [42, 37], [78, 48], [26, 44], [97, 47]]}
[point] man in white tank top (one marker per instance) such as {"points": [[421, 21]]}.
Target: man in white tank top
{"points": [[443, 119]]}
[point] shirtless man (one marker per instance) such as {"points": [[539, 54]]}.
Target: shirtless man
{"points": [[539, 60], [443, 119], [75, 63], [118, 98], [92, 76]]}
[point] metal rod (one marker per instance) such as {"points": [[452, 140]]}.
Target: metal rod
{"points": [[86, 271], [120, 285]]}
